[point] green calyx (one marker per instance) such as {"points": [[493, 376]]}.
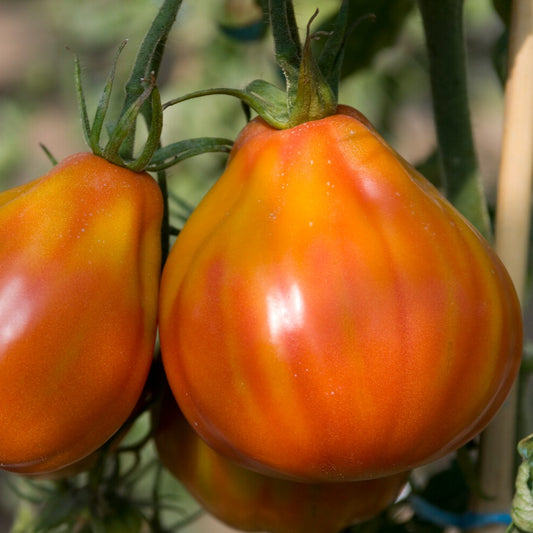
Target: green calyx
{"points": [[142, 100], [125, 126], [311, 82], [314, 97]]}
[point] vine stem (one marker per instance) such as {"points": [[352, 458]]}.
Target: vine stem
{"points": [[148, 62], [443, 28], [512, 228]]}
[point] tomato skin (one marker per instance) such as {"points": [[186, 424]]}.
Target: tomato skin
{"points": [[327, 315], [79, 273], [250, 501]]}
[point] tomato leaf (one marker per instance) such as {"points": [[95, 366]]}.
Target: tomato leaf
{"points": [[332, 55], [177, 152], [371, 34]]}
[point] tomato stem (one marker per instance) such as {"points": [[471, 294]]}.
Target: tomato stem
{"points": [[443, 26], [148, 63], [140, 99], [309, 94], [288, 49]]}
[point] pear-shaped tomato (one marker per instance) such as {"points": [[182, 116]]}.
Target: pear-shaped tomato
{"points": [[250, 501], [327, 315], [80, 260]]}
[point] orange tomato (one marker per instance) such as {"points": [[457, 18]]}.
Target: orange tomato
{"points": [[250, 501], [80, 258], [327, 315]]}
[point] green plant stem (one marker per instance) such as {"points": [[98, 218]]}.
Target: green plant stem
{"points": [[150, 53], [147, 65], [443, 26], [286, 42], [148, 62]]}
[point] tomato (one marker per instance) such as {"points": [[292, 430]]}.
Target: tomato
{"points": [[250, 501], [80, 259], [86, 463], [326, 315]]}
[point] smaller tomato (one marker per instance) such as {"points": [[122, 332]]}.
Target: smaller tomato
{"points": [[80, 258], [250, 501]]}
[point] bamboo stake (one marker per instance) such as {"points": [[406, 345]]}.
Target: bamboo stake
{"points": [[498, 441]]}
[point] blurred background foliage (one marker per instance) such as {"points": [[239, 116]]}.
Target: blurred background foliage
{"points": [[38, 39], [223, 43]]}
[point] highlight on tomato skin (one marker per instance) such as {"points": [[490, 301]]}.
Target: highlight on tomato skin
{"points": [[250, 501], [326, 315], [80, 257]]}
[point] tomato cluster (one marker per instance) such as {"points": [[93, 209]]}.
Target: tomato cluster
{"points": [[327, 320]]}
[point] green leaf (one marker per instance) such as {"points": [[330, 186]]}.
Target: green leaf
{"points": [[373, 26], [269, 101], [332, 55], [179, 151]]}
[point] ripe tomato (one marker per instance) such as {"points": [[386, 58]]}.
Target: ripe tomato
{"points": [[250, 501], [80, 260], [326, 314]]}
